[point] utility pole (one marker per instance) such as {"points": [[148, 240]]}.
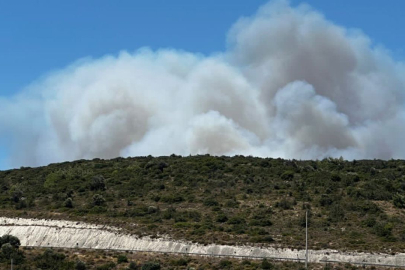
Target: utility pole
{"points": [[11, 264], [306, 239]]}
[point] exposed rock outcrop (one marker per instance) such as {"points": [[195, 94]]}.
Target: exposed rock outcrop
{"points": [[68, 234]]}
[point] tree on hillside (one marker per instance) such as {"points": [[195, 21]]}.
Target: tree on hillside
{"points": [[9, 246], [12, 240]]}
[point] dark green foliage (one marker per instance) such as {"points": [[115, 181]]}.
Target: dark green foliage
{"points": [[97, 183], [262, 239], [229, 200], [122, 259], [51, 260], [399, 200], [260, 220], [107, 266], [325, 200], [180, 262], [9, 245], [221, 218], [21, 204], [68, 203], [335, 178], [80, 265], [236, 220], [225, 264], [172, 198], [383, 229], [151, 266], [267, 265], [336, 213], [16, 195], [98, 200], [7, 251], [286, 204], [370, 221], [211, 202], [232, 203], [169, 213], [10, 239], [288, 175], [133, 266]]}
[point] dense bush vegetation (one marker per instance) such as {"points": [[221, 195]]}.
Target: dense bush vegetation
{"points": [[228, 200]]}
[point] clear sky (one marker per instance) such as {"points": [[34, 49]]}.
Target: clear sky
{"points": [[37, 37]]}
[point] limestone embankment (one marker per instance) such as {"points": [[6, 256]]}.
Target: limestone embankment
{"points": [[68, 234]]}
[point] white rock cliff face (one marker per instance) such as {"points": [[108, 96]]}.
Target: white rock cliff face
{"points": [[68, 234]]}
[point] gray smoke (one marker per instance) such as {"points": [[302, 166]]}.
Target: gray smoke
{"points": [[291, 84]]}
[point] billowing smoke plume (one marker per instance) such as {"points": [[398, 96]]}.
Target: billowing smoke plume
{"points": [[291, 84]]}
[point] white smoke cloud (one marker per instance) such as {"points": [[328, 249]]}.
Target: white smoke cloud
{"points": [[291, 84]]}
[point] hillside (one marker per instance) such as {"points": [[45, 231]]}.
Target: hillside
{"points": [[355, 205]]}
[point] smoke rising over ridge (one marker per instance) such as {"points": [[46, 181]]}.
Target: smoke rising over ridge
{"points": [[291, 84]]}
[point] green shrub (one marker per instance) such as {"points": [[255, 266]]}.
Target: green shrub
{"points": [[80, 265], [336, 213], [98, 200], [68, 203], [151, 266], [325, 200], [97, 183], [22, 203], [225, 264], [221, 218], [133, 266], [266, 264], [180, 262], [383, 229], [51, 180], [286, 204], [211, 202], [122, 259], [335, 178], [261, 239], [169, 213], [97, 210], [398, 200], [50, 259], [232, 203], [370, 221], [236, 220], [287, 175], [171, 198], [107, 266]]}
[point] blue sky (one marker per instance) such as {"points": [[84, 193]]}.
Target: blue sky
{"points": [[37, 37]]}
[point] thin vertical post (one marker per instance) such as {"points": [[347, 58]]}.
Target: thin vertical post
{"points": [[11, 264], [306, 239]]}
